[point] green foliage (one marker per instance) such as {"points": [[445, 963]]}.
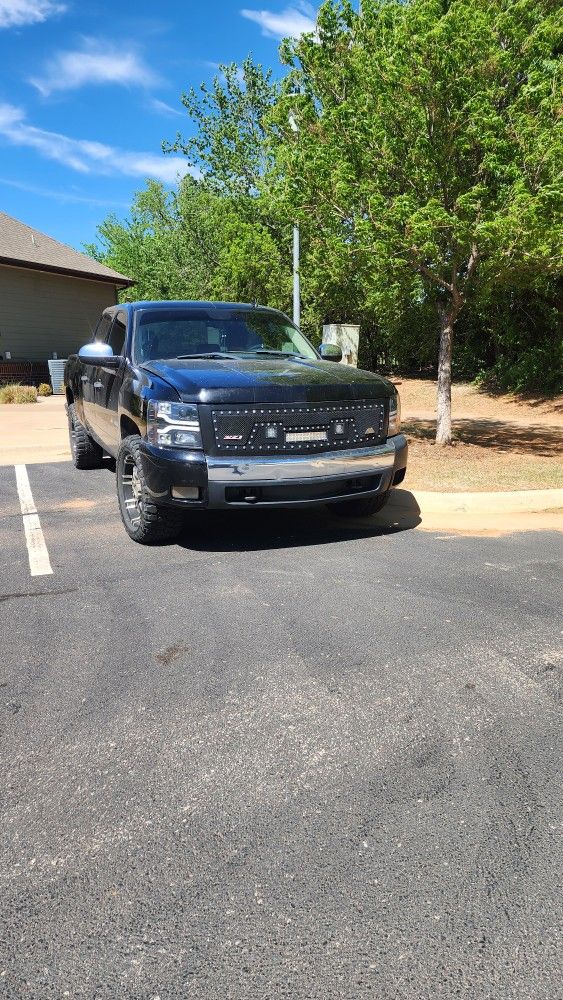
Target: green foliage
{"points": [[229, 147], [251, 267], [514, 342], [167, 244], [425, 177], [430, 126], [536, 370], [194, 244], [44, 389], [214, 237], [430, 130]]}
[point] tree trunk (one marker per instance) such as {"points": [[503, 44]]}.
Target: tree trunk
{"points": [[448, 311], [444, 395]]}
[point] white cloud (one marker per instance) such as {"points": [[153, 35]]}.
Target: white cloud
{"points": [[64, 197], [97, 62], [16, 13], [289, 23], [162, 108], [84, 155]]}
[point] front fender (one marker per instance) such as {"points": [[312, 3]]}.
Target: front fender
{"points": [[137, 389]]}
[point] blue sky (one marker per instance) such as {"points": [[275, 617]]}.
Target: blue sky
{"points": [[89, 89]]}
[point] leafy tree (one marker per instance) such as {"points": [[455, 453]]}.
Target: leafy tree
{"points": [[429, 130], [229, 146], [232, 152], [170, 243], [193, 244], [424, 177]]}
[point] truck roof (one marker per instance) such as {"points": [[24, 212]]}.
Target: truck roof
{"points": [[167, 304]]}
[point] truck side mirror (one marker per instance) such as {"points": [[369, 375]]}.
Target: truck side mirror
{"points": [[99, 354], [331, 352]]}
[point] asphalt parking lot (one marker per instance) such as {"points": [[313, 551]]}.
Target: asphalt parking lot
{"points": [[286, 757]]}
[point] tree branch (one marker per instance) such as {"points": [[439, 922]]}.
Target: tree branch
{"points": [[428, 273], [472, 262]]}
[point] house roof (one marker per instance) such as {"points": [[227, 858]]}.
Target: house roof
{"points": [[22, 246]]}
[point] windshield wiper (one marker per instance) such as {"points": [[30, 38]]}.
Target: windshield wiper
{"points": [[280, 354], [211, 355]]}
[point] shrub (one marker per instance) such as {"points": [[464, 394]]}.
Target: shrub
{"points": [[537, 370], [44, 389], [18, 394]]}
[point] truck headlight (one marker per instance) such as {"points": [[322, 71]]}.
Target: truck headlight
{"points": [[394, 415], [173, 425]]}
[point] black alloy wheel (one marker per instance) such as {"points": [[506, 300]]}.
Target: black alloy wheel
{"points": [[145, 521]]}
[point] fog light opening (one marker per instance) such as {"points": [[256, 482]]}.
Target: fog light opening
{"points": [[185, 492]]}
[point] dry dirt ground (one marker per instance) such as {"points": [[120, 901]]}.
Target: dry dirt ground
{"points": [[501, 442]]}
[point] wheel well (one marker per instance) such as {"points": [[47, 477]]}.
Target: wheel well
{"points": [[128, 427]]}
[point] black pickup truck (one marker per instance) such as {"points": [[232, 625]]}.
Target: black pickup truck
{"points": [[224, 405]]}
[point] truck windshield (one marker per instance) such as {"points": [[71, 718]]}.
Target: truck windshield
{"points": [[176, 333]]}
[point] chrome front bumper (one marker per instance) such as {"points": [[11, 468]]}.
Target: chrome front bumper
{"points": [[273, 480], [327, 465], [297, 480]]}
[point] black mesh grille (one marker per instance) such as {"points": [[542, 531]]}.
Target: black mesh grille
{"points": [[259, 430]]}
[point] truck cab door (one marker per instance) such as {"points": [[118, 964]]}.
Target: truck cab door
{"points": [[89, 377], [106, 387]]}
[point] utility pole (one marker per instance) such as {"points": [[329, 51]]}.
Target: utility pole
{"points": [[296, 289]]}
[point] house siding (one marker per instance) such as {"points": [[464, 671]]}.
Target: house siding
{"points": [[42, 313]]}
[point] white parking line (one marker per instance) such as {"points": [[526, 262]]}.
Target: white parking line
{"points": [[39, 563]]}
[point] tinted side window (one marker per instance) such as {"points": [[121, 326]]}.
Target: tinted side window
{"points": [[116, 339]]}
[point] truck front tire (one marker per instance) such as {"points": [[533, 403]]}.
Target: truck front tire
{"points": [[145, 521], [86, 453]]}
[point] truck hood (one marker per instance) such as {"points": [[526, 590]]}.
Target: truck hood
{"points": [[267, 380]]}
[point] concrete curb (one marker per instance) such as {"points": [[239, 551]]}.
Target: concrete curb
{"points": [[516, 502]]}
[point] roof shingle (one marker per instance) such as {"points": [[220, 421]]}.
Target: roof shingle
{"points": [[22, 246]]}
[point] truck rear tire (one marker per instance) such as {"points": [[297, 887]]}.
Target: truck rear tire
{"points": [[86, 453], [145, 521], [361, 507]]}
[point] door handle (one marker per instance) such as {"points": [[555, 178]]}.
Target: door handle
{"points": [[83, 378], [98, 385]]}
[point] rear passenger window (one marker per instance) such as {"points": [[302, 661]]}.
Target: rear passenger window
{"points": [[116, 339]]}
